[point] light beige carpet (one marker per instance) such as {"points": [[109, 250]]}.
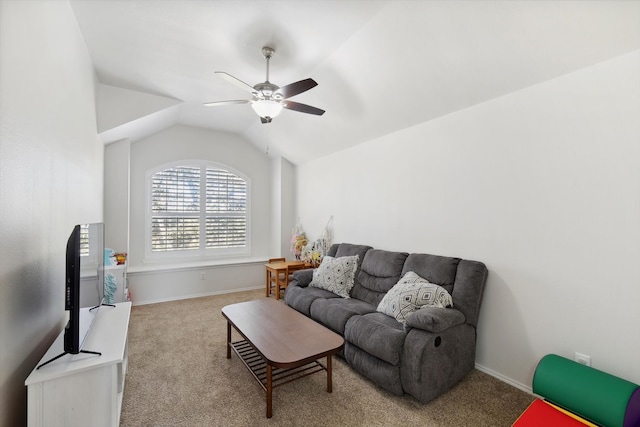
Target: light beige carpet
{"points": [[179, 376]]}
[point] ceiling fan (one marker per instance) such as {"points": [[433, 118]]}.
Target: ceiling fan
{"points": [[269, 99]]}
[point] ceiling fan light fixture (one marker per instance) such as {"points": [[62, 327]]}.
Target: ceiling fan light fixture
{"points": [[267, 108], [268, 98]]}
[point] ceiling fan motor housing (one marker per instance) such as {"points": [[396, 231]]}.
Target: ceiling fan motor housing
{"points": [[267, 90]]}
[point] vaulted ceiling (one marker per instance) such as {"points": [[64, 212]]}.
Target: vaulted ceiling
{"points": [[381, 66]]}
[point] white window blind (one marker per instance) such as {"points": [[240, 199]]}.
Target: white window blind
{"points": [[175, 207], [226, 209], [84, 239], [197, 208]]}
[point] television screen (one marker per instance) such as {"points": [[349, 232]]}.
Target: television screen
{"points": [[84, 287]]}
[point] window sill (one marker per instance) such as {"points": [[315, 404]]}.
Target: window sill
{"points": [[160, 267]]}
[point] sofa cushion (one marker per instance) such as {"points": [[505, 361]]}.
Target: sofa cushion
{"points": [[335, 312], [411, 293], [303, 277], [380, 270], [377, 334], [436, 269], [301, 298], [471, 278], [347, 249], [336, 275]]}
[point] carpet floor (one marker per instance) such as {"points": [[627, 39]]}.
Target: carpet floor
{"points": [[179, 376]]}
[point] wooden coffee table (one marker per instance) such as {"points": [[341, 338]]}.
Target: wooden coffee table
{"points": [[280, 345]]}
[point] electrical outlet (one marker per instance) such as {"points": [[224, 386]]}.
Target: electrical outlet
{"points": [[203, 275], [583, 359]]}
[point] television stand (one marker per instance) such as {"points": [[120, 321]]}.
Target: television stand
{"points": [[81, 389], [101, 305], [63, 353]]}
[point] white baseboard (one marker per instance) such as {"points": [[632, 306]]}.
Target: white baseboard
{"points": [[504, 379], [207, 294]]}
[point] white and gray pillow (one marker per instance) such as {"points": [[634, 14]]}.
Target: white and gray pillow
{"points": [[411, 293], [336, 275]]}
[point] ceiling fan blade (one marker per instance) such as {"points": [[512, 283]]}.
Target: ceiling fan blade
{"points": [[237, 82], [234, 101], [298, 87], [303, 108]]}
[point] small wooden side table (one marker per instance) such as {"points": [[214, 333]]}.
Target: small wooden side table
{"points": [[281, 268]]}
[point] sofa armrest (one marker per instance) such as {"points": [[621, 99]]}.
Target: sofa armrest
{"points": [[434, 319], [303, 277]]}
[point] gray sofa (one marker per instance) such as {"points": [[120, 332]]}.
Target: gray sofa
{"points": [[430, 353]]}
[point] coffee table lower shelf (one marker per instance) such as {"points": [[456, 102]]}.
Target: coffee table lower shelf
{"points": [[271, 377], [279, 376]]}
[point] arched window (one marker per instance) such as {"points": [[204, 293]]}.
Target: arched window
{"points": [[197, 208]]}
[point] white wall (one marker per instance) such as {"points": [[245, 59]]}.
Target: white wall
{"points": [[51, 178], [159, 285], [184, 143], [542, 185], [116, 195], [276, 207], [283, 216], [287, 201]]}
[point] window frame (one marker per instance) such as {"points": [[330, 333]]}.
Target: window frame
{"points": [[202, 252]]}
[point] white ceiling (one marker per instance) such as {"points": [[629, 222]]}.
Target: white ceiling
{"points": [[381, 66]]}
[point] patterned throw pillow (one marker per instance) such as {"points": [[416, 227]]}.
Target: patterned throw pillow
{"points": [[336, 274], [411, 293]]}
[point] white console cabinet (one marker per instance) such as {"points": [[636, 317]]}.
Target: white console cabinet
{"points": [[83, 389]]}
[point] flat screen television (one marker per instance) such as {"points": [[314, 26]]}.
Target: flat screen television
{"points": [[84, 275]]}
